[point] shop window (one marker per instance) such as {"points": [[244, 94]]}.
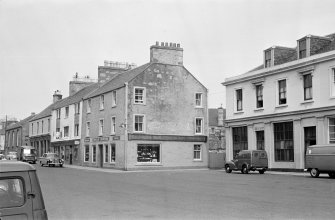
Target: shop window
{"points": [[112, 153], [283, 141], [260, 140], [148, 153], [106, 153], [197, 152], [240, 139], [94, 154], [87, 153]]}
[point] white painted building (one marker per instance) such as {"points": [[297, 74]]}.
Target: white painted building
{"points": [[284, 105]]}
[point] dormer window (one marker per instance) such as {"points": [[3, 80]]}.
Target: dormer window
{"points": [[302, 48], [267, 57]]}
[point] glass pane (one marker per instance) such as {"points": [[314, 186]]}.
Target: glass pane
{"points": [[11, 193]]}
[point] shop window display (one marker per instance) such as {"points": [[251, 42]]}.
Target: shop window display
{"points": [[149, 153]]}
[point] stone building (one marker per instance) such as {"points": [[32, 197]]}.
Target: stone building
{"points": [[150, 117], [286, 104], [216, 137], [4, 123], [17, 134]]}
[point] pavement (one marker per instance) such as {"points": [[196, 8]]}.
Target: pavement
{"points": [[108, 170]]}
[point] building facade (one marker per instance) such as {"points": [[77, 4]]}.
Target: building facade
{"points": [[150, 117], [17, 134], [284, 105], [3, 126], [216, 136]]}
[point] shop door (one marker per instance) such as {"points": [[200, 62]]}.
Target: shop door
{"points": [[310, 137], [101, 159]]}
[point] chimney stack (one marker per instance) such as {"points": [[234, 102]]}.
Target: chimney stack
{"points": [[57, 96], [166, 53]]}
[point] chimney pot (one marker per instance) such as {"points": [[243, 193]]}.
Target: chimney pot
{"points": [[162, 44]]}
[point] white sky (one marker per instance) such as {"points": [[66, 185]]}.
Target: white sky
{"points": [[43, 43]]}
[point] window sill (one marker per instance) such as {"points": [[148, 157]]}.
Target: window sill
{"points": [[258, 109], [148, 164], [306, 102], [101, 109], [199, 107], [239, 112], [281, 106], [195, 160], [139, 103], [198, 134], [113, 106]]}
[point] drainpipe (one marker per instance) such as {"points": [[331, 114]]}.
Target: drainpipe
{"points": [[125, 125]]}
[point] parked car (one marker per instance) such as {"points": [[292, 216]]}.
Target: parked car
{"points": [[2, 157], [26, 154], [12, 155], [248, 160], [320, 159], [51, 159], [20, 192]]}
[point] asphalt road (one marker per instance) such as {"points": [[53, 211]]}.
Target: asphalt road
{"points": [[189, 194]]}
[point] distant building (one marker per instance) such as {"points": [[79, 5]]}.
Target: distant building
{"points": [[17, 134], [216, 138], [286, 104], [150, 117], [2, 131]]}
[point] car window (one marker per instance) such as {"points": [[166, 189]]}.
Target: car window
{"points": [[262, 155], [11, 192]]}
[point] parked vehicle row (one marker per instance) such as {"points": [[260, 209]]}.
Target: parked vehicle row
{"points": [[248, 160], [51, 159]]}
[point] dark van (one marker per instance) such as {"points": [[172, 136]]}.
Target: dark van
{"points": [[20, 192], [26, 154], [249, 160], [320, 159]]}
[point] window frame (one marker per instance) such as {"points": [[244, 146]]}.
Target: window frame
{"points": [[66, 135], [237, 100], [258, 102], [112, 146], [85, 152], [106, 153], [330, 141], [201, 100], [67, 111], [137, 101], [300, 52], [88, 105], [308, 88], [158, 156], [102, 102], [88, 127], [239, 139], [260, 140], [278, 93], [94, 153], [114, 98], [332, 81], [284, 138], [197, 151], [201, 126], [268, 58], [101, 127], [143, 123], [76, 130], [113, 125]]}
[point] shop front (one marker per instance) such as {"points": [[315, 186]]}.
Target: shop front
{"points": [[68, 150]]}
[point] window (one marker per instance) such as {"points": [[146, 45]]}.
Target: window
{"points": [[102, 102], [88, 110], [58, 133], [67, 112], [139, 123], [66, 131], [139, 96], [199, 126], [267, 58], [197, 152], [282, 91], [101, 127], [12, 193], [283, 141], [94, 154], [58, 113], [88, 124], [113, 125], [76, 130], [42, 124], [259, 96], [148, 153], [308, 95], [198, 99], [112, 153], [38, 127], [332, 81], [113, 98], [32, 128], [106, 153], [239, 106], [260, 140], [331, 127], [302, 48], [48, 125], [77, 108], [87, 153], [240, 139]]}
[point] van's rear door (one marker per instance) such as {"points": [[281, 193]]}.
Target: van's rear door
{"points": [[15, 203], [259, 159]]}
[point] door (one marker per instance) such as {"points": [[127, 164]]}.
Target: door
{"points": [[310, 138], [101, 158]]}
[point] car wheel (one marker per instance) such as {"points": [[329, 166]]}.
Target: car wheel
{"points": [[244, 169], [331, 174], [61, 165], [261, 171], [49, 165], [228, 170], [314, 172], [41, 163]]}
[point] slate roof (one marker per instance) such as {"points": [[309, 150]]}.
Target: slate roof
{"points": [[20, 123], [45, 113], [118, 81], [77, 97]]}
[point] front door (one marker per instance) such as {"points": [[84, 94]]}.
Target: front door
{"points": [[310, 137], [101, 159]]}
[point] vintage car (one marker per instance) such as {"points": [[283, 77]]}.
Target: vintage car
{"points": [[51, 159], [20, 192], [320, 159], [2, 157], [12, 155], [248, 160]]}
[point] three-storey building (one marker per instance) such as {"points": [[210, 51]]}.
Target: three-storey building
{"points": [[284, 105]]}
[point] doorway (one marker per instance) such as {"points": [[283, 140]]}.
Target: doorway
{"points": [[101, 159], [310, 137]]}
